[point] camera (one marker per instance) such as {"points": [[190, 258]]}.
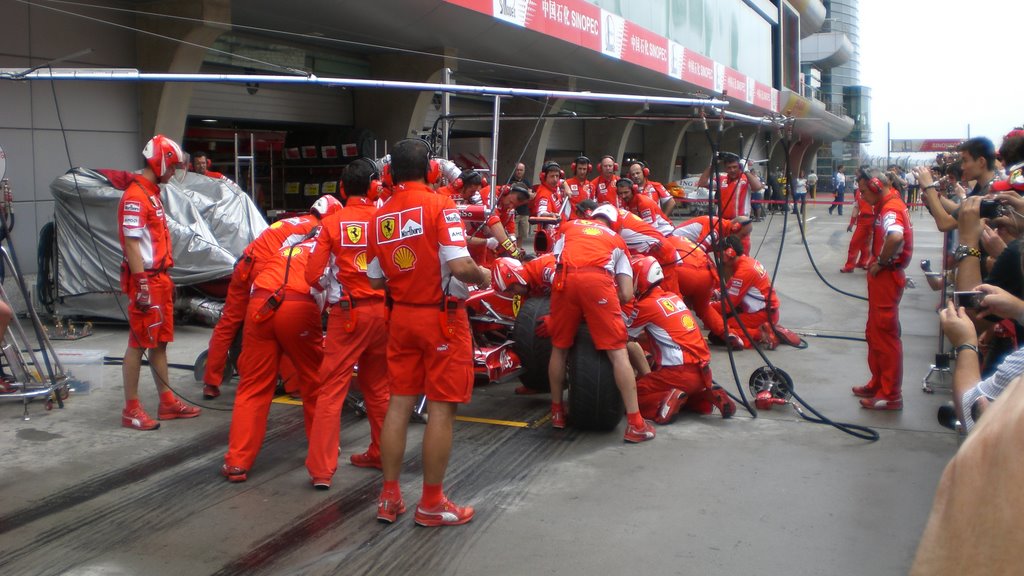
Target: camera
{"points": [[969, 300], [991, 209]]}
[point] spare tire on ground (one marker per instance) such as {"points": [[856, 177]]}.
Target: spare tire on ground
{"points": [[534, 352], [594, 400]]}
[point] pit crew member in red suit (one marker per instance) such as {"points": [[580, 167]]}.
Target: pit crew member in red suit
{"points": [[146, 245], [698, 279], [891, 251], [283, 317], [735, 186], [594, 279], [644, 239], [263, 248], [201, 165], [604, 185], [683, 373], [863, 218], [356, 330], [704, 230], [417, 249], [640, 175], [579, 187], [643, 206], [751, 294], [547, 200]]}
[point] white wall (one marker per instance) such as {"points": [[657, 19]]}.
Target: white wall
{"points": [[100, 120]]}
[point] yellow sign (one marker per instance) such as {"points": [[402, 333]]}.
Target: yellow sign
{"points": [[667, 305], [591, 231], [292, 252], [688, 322], [517, 303], [361, 261], [354, 233], [387, 227], [404, 258]]}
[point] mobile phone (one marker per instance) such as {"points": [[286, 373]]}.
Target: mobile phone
{"points": [[970, 300]]}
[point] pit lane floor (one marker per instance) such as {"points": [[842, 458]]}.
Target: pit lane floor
{"points": [[772, 495]]}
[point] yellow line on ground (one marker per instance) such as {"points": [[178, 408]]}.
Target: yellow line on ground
{"points": [[490, 421], [286, 399]]}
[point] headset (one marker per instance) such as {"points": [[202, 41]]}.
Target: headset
{"points": [[643, 166], [873, 183], [615, 164], [731, 247], [374, 170], [632, 186], [549, 166], [471, 175], [431, 168], [581, 160]]}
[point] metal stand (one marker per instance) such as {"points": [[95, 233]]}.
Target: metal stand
{"points": [[941, 365], [32, 378]]}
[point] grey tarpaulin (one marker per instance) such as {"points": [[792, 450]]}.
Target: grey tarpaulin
{"points": [[210, 221]]}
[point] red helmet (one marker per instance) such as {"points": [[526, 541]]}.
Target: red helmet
{"points": [[647, 274], [163, 155], [325, 206], [506, 273]]}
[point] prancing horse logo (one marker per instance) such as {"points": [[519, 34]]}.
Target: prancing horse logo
{"points": [[387, 227]]}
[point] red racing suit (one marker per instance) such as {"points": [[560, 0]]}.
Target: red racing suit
{"points": [[589, 256], [682, 355], [644, 238], [703, 230], [356, 332], [735, 197], [605, 191], [294, 328], [262, 249], [753, 299], [411, 240], [579, 190], [655, 191], [141, 215], [650, 211], [860, 243], [885, 290], [698, 279]]}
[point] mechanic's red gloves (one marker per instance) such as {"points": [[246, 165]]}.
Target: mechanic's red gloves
{"points": [[141, 282], [541, 331]]}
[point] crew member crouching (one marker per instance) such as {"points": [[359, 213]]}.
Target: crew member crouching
{"points": [[752, 300], [683, 373]]}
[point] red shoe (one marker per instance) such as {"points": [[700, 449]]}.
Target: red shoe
{"points": [[176, 409], [210, 391], [719, 399], [366, 460], [881, 403], [637, 435], [234, 473], [138, 419], [670, 406], [735, 342], [444, 514], [389, 507], [768, 338], [558, 420], [846, 269], [787, 336], [864, 391]]}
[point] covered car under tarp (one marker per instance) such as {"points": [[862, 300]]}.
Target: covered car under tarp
{"points": [[210, 221]]}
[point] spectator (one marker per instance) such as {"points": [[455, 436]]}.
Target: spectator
{"points": [[800, 194], [522, 210], [839, 187]]}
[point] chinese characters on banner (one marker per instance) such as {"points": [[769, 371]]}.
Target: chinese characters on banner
{"points": [[584, 24]]}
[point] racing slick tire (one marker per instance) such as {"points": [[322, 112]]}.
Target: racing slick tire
{"points": [[595, 402], [534, 351]]}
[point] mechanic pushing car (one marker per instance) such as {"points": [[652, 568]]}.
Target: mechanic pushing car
{"points": [[592, 280], [417, 249]]}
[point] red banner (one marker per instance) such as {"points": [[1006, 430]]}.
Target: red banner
{"points": [[764, 97], [698, 69], [735, 83], [574, 21], [645, 48]]}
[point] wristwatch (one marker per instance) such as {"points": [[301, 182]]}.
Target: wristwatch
{"points": [[932, 185], [962, 347], [963, 251]]}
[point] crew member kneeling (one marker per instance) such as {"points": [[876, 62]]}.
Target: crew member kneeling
{"points": [[683, 375], [752, 300]]}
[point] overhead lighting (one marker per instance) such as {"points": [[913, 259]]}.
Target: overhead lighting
{"points": [[209, 120]]}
